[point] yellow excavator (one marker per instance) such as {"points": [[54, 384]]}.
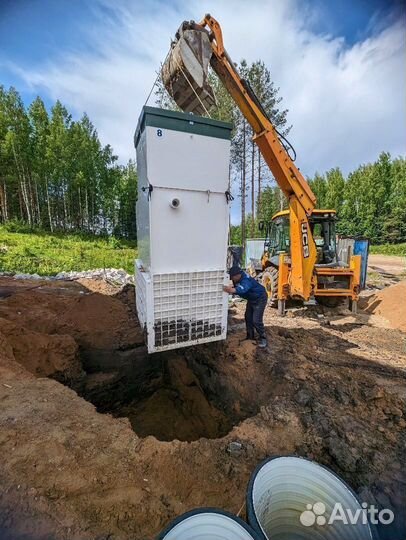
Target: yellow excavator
{"points": [[300, 256]]}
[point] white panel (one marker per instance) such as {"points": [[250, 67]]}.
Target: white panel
{"points": [[190, 237], [143, 207], [186, 160]]}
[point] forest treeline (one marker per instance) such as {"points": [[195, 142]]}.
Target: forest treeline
{"points": [[370, 201], [56, 175]]}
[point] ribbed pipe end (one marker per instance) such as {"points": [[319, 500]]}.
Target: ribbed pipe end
{"points": [[208, 524], [294, 498]]}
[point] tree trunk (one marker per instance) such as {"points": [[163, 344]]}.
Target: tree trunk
{"points": [[39, 220], [243, 191], [65, 212], [30, 195], [22, 183], [281, 199], [80, 216], [259, 181], [20, 202], [3, 201], [25, 200], [252, 190], [51, 226], [87, 209]]}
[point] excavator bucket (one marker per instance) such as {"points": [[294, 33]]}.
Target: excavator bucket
{"points": [[185, 71]]}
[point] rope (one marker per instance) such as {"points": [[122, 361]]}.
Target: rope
{"points": [[208, 192], [189, 189], [150, 92], [158, 74]]}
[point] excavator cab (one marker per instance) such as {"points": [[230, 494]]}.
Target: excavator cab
{"points": [[323, 228]]}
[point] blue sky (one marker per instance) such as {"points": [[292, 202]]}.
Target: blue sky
{"points": [[340, 64], [33, 32]]}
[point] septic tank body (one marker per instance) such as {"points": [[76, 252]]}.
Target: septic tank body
{"points": [[182, 228]]}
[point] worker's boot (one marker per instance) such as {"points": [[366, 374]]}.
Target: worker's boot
{"points": [[262, 343], [250, 337]]}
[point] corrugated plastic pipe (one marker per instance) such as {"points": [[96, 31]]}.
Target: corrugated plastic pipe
{"points": [[208, 524], [292, 498]]}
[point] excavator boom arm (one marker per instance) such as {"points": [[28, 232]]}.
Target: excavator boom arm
{"points": [[286, 174]]}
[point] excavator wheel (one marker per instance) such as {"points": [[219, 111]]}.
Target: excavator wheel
{"points": [[270, 282]]}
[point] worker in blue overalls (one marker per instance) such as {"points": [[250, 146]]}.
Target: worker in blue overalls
{"points": [[257, 298]]}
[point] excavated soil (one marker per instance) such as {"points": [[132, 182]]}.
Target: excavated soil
{"points": [[389, 303], [100, 440]]}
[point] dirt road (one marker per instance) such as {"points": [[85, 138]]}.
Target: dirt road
{"points": [[387, 264], [100, 440]]}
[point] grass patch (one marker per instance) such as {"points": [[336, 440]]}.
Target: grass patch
{"points": [[47, 254], [389, 249]]}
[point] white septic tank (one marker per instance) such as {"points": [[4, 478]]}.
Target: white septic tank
{"points": [[182, 228]]}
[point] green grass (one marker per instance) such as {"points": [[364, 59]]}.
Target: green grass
{"points": [[389, 249], [47, 254]]}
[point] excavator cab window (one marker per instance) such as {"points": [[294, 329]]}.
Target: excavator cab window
{"points": [[324, 234], [278, 238]]}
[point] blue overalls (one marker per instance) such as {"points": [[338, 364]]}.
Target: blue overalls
{"points": [[255, 294]]}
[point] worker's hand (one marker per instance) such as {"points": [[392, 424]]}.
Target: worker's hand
{"points": [[228, 289]]}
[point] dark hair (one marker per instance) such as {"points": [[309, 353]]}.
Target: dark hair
{"points": [[234, 271]]}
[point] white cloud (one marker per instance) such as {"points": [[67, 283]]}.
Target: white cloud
{"points": [[346, 103]]}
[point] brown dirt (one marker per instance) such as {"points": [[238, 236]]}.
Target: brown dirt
{"points": [[389, 303], [331, 386]]}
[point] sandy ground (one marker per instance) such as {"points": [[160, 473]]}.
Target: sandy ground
{"points": [[99, 441], [386, 264]]}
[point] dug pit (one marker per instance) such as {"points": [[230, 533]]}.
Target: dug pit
{"points": [[167, 395]]}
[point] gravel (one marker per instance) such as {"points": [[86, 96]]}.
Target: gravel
{"points": [[114, 275]]}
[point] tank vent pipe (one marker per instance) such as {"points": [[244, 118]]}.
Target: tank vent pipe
{"points": [[294, 498]]}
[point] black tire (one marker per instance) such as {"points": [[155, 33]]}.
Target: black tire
{"points": [[270, 282]]}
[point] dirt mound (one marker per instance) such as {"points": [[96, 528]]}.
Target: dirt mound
{"points": [[91, 314], [390, 303], [44, 355]]}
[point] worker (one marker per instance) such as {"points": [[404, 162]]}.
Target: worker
{"points": [[248, 288]]}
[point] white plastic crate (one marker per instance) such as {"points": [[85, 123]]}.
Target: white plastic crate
{"points": [[181, 309]]}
